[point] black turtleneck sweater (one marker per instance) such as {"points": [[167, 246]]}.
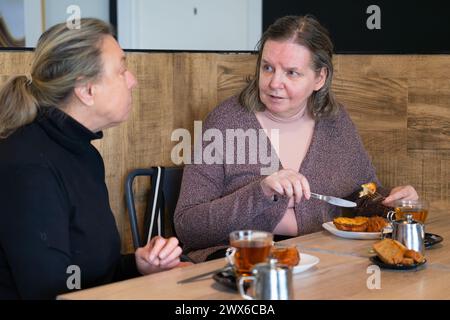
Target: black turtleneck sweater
{"points": [[55, 212]]}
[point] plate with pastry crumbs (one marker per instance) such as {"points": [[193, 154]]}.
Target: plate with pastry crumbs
{"points": [[329, 226], [303, 263], [227, 277], [392, 254], [307, 261], [376, 260]]}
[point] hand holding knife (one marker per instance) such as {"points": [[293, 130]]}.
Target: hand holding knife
{"points": [[290, 183]]}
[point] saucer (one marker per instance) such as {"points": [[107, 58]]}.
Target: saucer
{"points": [[227, 278], [307, 261], [431, 239], [376, 260]]}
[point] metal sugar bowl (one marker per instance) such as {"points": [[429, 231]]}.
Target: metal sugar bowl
{"points": [[409, 232]]}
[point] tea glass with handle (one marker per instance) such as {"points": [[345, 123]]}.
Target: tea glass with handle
{"points": [[248, 247]]}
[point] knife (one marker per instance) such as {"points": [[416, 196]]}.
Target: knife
{"points": [[334, 201], [203, 275]]}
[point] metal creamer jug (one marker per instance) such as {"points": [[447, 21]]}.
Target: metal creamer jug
{"points": [[269, 281]]}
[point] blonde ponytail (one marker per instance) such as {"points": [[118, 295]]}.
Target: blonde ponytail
{"points": [[63, 58], [18, 106]]}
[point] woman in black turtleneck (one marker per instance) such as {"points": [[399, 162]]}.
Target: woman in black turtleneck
{"points": [[55, 215]]}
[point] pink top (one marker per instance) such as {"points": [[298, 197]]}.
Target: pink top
{"points": [[216, 199], [295, 134]]}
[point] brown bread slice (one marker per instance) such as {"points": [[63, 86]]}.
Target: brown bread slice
{"points": [[407, 261], [389, 251], [357, 224], [414, 255]]}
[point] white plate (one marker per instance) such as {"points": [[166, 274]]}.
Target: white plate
{"points": [[329, 226], [306, 261]]}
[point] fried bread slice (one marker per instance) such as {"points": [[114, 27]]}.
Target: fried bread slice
{"points": [[407, 261], [357, 224], [368, 189], [376, 224], [390, 251], [414, 255]]}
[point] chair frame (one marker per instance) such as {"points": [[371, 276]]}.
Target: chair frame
{"points": [[162, 181]]}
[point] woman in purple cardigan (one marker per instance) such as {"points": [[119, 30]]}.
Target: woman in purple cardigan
{"points": [[313, 146]]}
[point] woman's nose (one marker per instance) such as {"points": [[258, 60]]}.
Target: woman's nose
{"points": [[276, 81], [131, 80]]}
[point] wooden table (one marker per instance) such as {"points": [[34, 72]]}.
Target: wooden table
{"points": [[342, 273]]}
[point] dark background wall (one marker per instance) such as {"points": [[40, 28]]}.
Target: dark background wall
{"points": [[413, 27]]}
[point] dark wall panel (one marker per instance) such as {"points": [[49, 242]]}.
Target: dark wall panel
{"points": [[413, 27]]}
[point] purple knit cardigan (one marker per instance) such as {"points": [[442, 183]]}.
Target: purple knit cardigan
{"points": [[216, 199]]}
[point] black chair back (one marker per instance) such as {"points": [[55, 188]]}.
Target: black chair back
{"points": [[161, 204]]}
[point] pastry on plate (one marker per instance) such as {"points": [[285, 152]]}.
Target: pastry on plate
{"points": [[368, 189], [287, 255], [357, 224], [393, 252], [390, 251], [376, 224], [361, 224], [417, 257]]}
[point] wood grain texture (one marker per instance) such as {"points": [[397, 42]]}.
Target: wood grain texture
{"points": [[429, 116], [400, 105], [382, 102], [233, 71], [15, 62], [396, 66]]}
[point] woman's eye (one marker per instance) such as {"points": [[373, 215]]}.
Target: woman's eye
{"points": [[267, 68], [293, 73]]}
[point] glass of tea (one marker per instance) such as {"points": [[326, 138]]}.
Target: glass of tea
{"points": [[418, 209], [249, 248]]}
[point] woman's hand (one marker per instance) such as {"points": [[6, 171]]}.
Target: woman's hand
{"points": [[401, 193], [158, 255], [286, 182]]}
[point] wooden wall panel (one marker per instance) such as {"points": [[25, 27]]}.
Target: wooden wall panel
{"points": [[399, 103], [445, 180], [233, 71], [429, 116], [382, 102], [15, 62]]}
